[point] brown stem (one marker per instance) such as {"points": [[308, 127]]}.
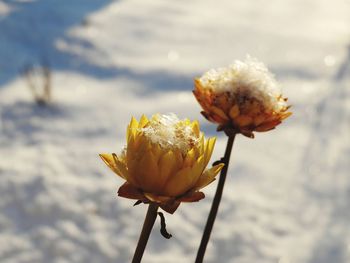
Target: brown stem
{"points": [[216, 201], [145, 233]]}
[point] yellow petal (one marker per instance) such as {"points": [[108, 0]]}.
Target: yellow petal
{"points": [[195, 128], [130, 148], [131, 130], [110, 162], [201, 144], [143, 121], [209, 147], [137, 148], [157, 151], [133, 172], [147, 172], [190, 158], [179, 159], [120, 163], [197, 170], [167, 164], [197, 85], [179, 183], [134, 123], [208, 176], [186, 122], [286, 115]]}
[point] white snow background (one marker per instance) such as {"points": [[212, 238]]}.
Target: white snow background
{"points": [[287, 196]]}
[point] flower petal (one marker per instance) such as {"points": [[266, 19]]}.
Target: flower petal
{"points": [[267, 126], [147, 172], [131, 129], [170, 207], [111, 163], [179, 159], [286, 115], [191, 197], [143, 121], [259, 119], [127, 190], [208, 176], [195, 128], [167, 164], [197, 170], [157, 198], [209, 147], [234, 111], [243, 120], [190, 158], [134, 123], [219, 112], [179, 183]]}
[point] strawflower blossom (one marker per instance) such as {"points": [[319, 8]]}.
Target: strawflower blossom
{"points": [[243, 96], [164, 161]]}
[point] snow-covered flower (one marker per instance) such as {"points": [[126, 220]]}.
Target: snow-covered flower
{"points": [[164, 161], [244, 96]]}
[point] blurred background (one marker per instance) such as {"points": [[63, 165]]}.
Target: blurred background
{"points": [[73, 72]]}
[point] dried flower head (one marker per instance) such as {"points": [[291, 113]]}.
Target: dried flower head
{"points": [[164, 161], [244, 96]]}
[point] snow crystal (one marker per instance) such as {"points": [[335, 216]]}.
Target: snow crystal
{"points": [[250, 78], [170, 132]]}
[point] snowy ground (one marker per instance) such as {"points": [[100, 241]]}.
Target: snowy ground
{"points": [[287, 199]]}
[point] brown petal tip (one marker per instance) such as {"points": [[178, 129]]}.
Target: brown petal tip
{"points": [[129, 191]]}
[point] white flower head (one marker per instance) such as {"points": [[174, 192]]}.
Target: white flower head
{"points": [[249, 78], [170, 132]]}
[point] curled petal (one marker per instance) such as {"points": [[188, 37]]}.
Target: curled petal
{"points": [[170, 207], [127, 190]]}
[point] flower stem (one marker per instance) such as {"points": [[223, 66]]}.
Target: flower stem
{"points": [[145, 233], [216, 201]]}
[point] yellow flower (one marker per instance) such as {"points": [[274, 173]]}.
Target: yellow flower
{"points": [[164, 161], [244, 97]]}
